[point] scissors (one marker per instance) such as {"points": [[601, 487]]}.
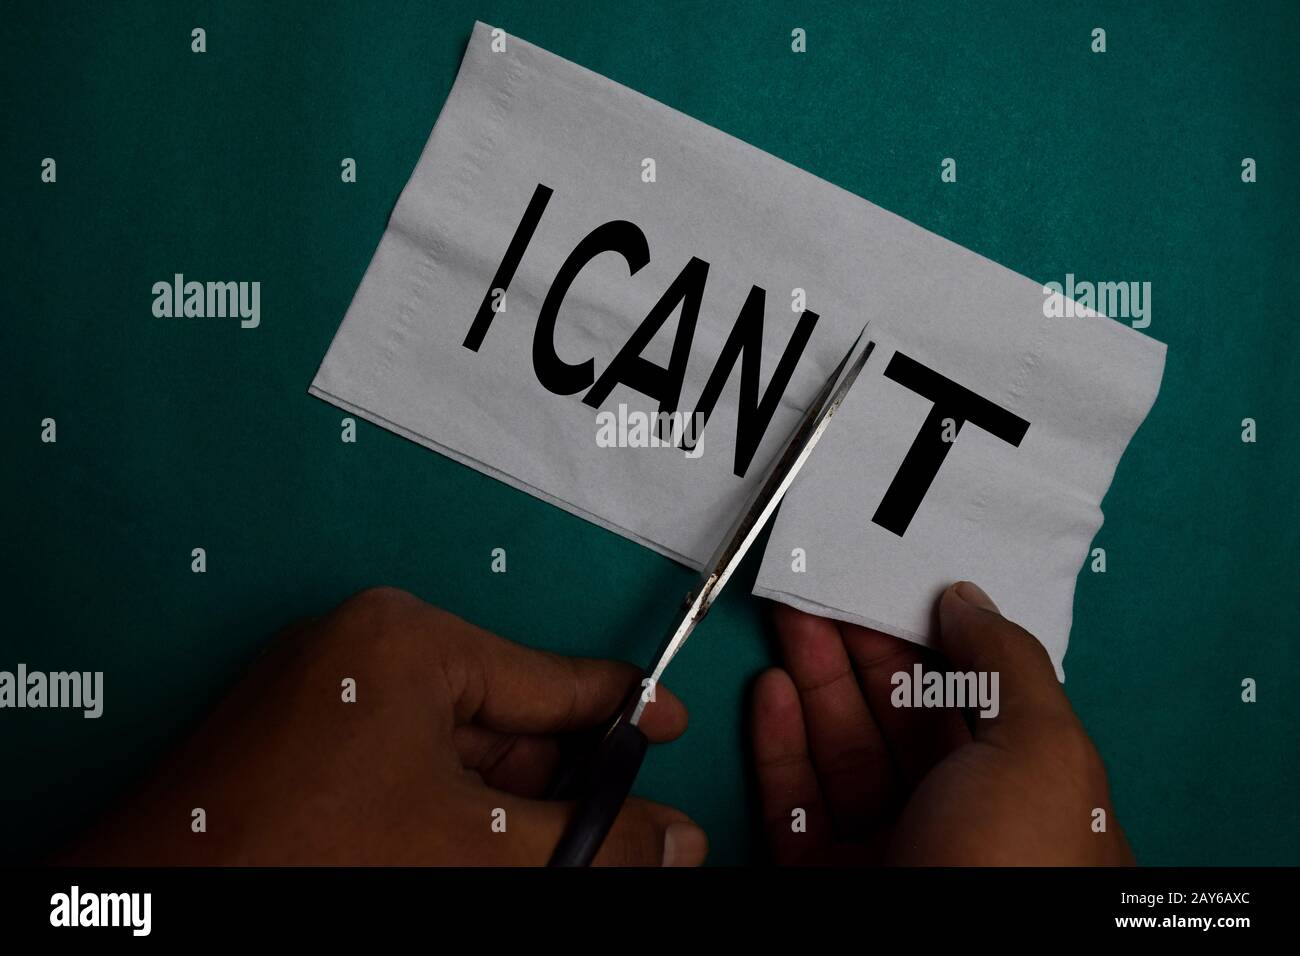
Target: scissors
{"points": [[601, 784]]}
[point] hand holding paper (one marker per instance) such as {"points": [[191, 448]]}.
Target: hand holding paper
{"points": [[871, 777]]}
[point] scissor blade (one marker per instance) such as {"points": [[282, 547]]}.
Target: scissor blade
{"points": [[751, 521], [791, 460]]}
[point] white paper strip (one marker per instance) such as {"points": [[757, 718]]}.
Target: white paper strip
{"points": [[567, 246]]}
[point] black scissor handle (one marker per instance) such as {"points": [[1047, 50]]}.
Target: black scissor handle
{"points": [[600, 787]]}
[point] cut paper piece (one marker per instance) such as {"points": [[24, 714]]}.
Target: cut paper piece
{"points": [[570, 257], [980, 498]]}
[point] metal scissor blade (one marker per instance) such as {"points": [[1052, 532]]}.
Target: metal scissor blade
{"points": [[751, 521], [782, 473]]}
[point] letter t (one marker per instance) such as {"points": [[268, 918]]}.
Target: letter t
{"points": [[929, 449]]}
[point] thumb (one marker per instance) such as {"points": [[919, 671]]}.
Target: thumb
{"points": [[974, 636]]}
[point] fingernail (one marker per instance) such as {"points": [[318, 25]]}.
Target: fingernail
{"points": [[684, 845], [971, 594]]}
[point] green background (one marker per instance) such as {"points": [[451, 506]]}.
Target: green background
{"points": [[180, 434]]}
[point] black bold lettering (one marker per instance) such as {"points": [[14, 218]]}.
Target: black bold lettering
{"points": [[928, 450], [553, 372], [746, 343], [509, 263], [630, 369]]}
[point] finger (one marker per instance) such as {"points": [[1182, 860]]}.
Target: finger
{"points": [[521, 764], [516, 689], [787, 782], [850, 756], [520, 690], [917, 738], [651, 834], [976, 637], [643, 834]]}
